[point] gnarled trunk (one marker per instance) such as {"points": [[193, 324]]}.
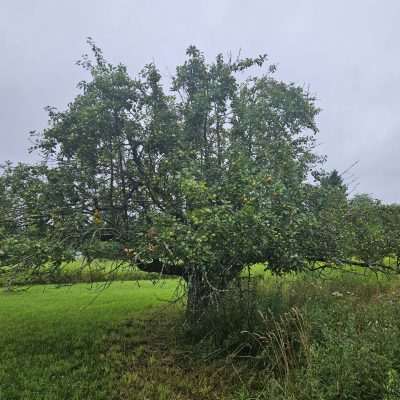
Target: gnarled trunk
{"points": [[204, 293], [199, 296]]}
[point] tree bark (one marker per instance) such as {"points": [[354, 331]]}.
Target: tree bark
{"points": [[199, 296], [201, 293]]}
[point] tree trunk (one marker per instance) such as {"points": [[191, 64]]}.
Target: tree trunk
{"points": [[200, 295]]}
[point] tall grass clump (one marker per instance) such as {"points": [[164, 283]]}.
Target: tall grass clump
{"points": [[308, 337]]}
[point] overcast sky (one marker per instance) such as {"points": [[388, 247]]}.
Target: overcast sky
{"points": [[346, 51]]}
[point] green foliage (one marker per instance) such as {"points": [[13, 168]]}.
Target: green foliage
{"points": [[207, 177], [367, 228], [326, 236], [390, 215], [375, 230], [199, 180], [314, 338]]}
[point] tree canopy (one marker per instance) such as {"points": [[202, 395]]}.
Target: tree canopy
{"points": [[198, 180]]}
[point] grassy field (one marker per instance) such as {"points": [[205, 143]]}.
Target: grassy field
{"points": [[53, 341], [80, 271], [330, 337]]}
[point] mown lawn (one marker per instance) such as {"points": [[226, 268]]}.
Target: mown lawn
{"points": [[54, 341]]}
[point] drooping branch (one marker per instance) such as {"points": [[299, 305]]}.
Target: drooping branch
{"points": [[373, 266]]}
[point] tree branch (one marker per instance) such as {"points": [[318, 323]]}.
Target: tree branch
{"points": [[161, 268]]}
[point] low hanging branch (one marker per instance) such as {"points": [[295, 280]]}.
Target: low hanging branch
{"points": [[373, 266]]}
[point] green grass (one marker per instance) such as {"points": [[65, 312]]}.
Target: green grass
{"points": [[335, 336], [52, 340], [330, 337]]}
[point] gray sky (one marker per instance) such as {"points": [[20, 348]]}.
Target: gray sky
{"points": [[346, 51]]}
